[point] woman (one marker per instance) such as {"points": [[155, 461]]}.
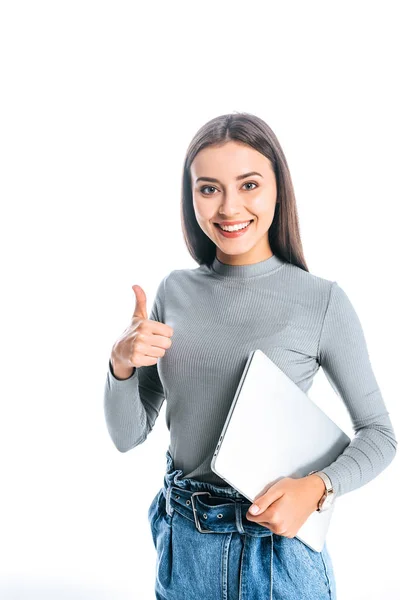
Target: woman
{"points": [[252, 289]]}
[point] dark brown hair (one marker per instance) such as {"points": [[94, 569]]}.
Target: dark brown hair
{"points": [[284, 233]]}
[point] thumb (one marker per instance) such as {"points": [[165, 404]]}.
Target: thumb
{"points": [[140, 307]]}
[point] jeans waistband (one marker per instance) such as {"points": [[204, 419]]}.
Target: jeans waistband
{"points": [[212, 508]]}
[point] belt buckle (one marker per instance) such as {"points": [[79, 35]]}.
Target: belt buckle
{"points": [[196, 520]]}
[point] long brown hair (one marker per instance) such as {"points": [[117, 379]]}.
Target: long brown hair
{"points": [[283, 234]]}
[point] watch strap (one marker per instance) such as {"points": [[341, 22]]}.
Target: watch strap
{"points": [[328, 487]]}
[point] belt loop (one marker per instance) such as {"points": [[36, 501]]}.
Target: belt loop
{"points": [[238, 512], [168, 507]]}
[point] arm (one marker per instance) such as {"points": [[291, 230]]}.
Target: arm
{"points": [[132, 405], [343, 355]]}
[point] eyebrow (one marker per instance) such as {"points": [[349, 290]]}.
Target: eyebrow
{"points": [[238, 178]]}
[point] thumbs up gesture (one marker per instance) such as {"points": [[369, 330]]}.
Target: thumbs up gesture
{"points": [[143, 341]]}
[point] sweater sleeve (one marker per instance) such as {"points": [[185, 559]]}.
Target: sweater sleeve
{"points": [[343, 355], [131, 406]]}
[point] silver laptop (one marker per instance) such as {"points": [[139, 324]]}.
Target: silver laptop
{"points": [[274, 430]]}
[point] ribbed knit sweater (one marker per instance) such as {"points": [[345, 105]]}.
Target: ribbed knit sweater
{"points": [[219, 314]]}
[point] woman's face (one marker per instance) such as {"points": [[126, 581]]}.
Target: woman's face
{"points": [[221, 193]]}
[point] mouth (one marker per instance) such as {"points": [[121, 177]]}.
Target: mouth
{"points": [[233, 234]]}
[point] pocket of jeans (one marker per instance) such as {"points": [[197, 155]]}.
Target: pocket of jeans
{"points": [[315, 560], [154, 514], [153, 510], [163, 542], [157, 512]]}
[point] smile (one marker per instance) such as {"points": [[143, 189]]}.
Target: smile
{"points": [[234, 233]]}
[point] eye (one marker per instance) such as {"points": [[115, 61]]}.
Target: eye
{"points": [[250, 183], [205, 187], [214, 188]]}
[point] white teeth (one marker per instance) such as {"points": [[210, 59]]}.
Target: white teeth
{"points": [[234, 227]]}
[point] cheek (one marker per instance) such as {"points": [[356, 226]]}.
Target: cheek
{"points": [[259, 205], [264, 213], [203, 211], [264, 203]]}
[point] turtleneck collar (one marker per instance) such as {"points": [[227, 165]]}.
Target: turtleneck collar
{"points": [[245, 271]]}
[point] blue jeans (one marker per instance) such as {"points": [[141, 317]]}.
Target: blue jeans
{"points": [[208, 550]]}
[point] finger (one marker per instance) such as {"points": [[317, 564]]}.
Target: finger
{"points": [[161, 329], [143, 348], [140, 306], [160, 341]]}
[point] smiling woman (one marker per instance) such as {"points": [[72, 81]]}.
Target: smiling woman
{"points": [[242, 200], [251, 289]]}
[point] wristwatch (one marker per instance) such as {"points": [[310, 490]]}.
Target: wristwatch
{"points": [[327, 499]]}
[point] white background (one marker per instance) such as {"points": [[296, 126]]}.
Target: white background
{"points": [[99, 101]]}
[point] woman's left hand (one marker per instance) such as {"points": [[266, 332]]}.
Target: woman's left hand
{"points": [[288, 503]]}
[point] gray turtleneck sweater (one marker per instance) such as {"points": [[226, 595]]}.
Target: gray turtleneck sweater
{"points": [[219, 314]]}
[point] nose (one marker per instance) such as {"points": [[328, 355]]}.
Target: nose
{"points": [[230, 205]]}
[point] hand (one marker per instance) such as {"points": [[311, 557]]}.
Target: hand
{"points": [[144, 341], [288, 503]]}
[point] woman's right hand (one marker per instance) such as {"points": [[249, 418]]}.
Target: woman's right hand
{"points": [[143, 342]]}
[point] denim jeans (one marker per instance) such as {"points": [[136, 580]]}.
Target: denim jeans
{"points": [[208, 550]]}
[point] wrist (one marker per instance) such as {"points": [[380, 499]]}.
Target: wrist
{"points": [[318, 486], [120, 372]]}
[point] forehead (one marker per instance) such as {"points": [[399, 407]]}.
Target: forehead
{"points": [[228, 161]]}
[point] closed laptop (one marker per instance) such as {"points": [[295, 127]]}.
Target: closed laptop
{"points": [[274, 430]]}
